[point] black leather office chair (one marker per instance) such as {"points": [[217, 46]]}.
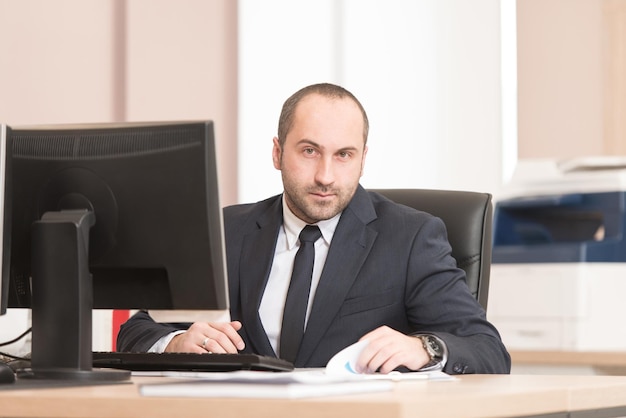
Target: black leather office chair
{"points": [[468, 217]]}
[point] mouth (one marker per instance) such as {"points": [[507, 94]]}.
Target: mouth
{"points": [[323, 195]]}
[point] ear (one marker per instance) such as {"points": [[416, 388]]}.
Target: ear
{"points": [[276, 153]]}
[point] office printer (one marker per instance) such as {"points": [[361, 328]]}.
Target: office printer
{"points": [[558, 278]]}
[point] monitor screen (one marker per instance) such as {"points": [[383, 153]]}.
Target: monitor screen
{"points": [[115, 216]]}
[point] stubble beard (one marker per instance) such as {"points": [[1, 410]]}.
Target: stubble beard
{"points": [[300, 201]]}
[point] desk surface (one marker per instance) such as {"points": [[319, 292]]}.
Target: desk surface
{"points": [[594, 358], [468, 396], [612, 363]]}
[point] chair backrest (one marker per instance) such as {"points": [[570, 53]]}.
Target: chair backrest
{"points": [[468, 217]]}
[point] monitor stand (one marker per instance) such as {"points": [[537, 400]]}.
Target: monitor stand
{"points": [[62, 300]]}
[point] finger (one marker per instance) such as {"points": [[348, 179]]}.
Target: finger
{"points": [[205, 344], [395, 351], [193, 340], [370, 358], [230, 330], [219, 343], [389, 349], [187, 342], [389, 364], [378, 354], [224, 338], [200, 337], [366, 362]]}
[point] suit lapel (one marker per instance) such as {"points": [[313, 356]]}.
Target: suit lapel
{"points": [[350, 246], [255, 263]]}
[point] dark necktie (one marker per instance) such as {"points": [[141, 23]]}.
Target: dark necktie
{"points": [[298, 294]]}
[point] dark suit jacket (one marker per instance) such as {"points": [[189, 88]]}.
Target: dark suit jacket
{"points": [[387, 265]]}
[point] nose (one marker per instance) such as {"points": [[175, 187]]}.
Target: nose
{"points": [[324, 174]]}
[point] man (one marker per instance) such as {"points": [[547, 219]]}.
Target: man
{"points": [[382, 272]]}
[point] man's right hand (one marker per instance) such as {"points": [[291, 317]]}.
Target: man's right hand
{"points": [[212, 337]]}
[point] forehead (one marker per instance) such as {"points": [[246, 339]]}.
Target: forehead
{"points": [[317, 114]]}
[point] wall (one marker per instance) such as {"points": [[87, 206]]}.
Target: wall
{"points": [[56, 61], [427, 72], [71, 61], [614, 80], [561, 69]]}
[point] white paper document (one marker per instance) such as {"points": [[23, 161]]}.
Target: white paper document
{"points": [[337, 378], [261, 384]]}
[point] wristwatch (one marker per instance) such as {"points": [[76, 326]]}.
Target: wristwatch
{"points": [[436, 350]]}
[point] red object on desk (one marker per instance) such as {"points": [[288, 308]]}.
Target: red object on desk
{"points": [[119, 317]]}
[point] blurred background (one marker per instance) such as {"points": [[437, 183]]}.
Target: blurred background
{"points": [[457, 91]]}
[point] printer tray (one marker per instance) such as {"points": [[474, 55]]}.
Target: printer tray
{"points": [[188, 362]]}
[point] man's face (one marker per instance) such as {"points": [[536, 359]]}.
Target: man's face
{"points": [[322, 158]]}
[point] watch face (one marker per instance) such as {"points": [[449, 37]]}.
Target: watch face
{"points": [[435, 347]]}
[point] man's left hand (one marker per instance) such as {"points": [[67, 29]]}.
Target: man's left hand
{"points": [[388, 349]]}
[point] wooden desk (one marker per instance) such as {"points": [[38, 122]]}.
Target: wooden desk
{"points": [[609, 363], [469, 396]]}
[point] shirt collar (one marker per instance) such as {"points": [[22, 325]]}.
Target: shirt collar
{"points": [[293, 225]]}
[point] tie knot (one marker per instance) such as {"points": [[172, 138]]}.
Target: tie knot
{"points": [[310, 233]]}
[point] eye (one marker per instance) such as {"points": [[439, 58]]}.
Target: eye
{"points": [[309, 151], [344, 155]]}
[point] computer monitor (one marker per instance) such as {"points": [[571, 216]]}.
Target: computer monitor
{"points": [[112, 216], [5, 217]]}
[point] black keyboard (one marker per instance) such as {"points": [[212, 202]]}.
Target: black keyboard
{"points": [[189, 362]]}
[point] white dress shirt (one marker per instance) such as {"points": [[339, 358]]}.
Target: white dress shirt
{"points": [[275, 294]]}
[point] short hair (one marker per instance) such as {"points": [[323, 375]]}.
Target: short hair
{"points": [[328, 90]]}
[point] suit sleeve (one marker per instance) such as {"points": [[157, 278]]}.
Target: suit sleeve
{"points": [[439, 302], [140, 332]]}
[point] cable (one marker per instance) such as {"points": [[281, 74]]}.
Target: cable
{"points": [[11, 356], [22, 335]]}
